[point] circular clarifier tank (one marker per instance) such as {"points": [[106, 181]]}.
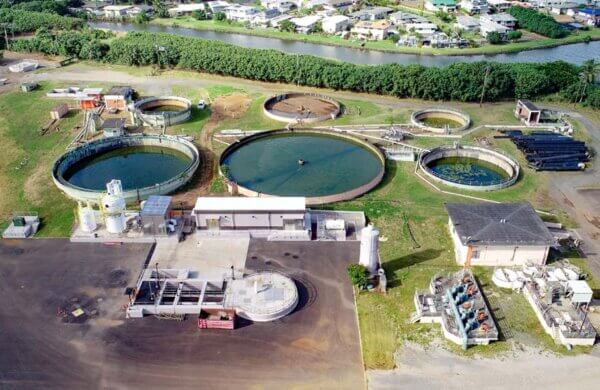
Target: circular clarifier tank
{"points": [[301, 107], [440, 120], [264, 296], [322, 166], [470, 167], [146, 165]]}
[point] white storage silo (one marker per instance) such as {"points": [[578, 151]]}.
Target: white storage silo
{"points": [[113, 207], [87, 219], [369, 248]]}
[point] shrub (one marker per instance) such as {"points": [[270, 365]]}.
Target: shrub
{"points": [[359, 275], [494, 38], [514, 35]]}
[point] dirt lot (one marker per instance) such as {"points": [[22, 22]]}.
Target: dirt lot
{"points": [[302, 105], [44, 346]]}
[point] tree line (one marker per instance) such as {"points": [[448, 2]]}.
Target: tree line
{"points": [[467, 82], [20, 21], [537, 22]]}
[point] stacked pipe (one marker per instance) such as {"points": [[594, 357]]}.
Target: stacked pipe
{"points": [[547, 151]]}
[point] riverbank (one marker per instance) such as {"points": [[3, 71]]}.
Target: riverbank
{"points": [[383, 46]]}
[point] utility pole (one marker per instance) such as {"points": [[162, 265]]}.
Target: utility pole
{"points": [[487, 73]]}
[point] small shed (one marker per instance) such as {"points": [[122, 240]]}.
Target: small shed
{"points": [[155, 214], [528, 112], [59, 111], [28, 87], [113, 127], [118, 97]]}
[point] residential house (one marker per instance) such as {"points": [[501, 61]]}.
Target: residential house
{"points": [[116, 11], [136, 9], [467, 23], [503, 19], [475, 6], [264, 18], [440, 5], [276, 21], [186, 9], [486, 27], [217, 6], [306, 24], [370, 13], [281, 5], [589, 16], [340, 5], [335, 24], [401, 18], [372, 30], [500, 5], [498, 234], [421, 28], [240, 13]]}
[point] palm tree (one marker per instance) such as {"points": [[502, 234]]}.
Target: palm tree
{"points": [[587, 75]]}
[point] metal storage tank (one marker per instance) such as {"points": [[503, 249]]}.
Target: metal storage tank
{"points": [[369, 248], [113, 206], [87, 219]]}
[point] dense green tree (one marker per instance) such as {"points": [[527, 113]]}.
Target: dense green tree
{"points": [[494, 38], [537, 22], [514, 35], [287, 25]]}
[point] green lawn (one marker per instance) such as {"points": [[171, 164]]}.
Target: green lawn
{"points": [[25, 179], [385, 45]]}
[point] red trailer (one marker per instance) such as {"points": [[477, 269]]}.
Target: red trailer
{"points": [[216, 319]]}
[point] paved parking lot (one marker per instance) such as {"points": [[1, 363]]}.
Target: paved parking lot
{"points": [[43, 345]]}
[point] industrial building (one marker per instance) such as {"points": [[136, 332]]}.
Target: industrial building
{"points": [[527, 112], [117, 98], [456, 301], [498, 234], [559, 298], [236, 213]]}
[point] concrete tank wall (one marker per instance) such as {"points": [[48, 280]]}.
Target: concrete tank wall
{"points": [[507, 164], [292, 118], [156, 119], [106, 144], [443, 113], [234, 188]]}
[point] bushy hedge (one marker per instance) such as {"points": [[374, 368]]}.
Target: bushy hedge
{"points": [[459, 81], [84, 45], [536, 22], [27, 21]]}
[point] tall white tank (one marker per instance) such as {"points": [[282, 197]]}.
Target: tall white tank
{"points": [[115, 224], [113, 207], [369, 248], [87, 219]]}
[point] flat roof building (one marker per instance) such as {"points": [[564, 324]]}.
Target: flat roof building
{"points": [[236, 213], [498, 234]]}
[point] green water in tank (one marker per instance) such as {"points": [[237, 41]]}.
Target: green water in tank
{"points": [[135, 166], [273, 165], [465, 170]]}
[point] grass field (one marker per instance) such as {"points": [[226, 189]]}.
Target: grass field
{"points": [[25, 180], [384, 45]]}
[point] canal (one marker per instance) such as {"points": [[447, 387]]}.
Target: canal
{"points": [[575, 53]]}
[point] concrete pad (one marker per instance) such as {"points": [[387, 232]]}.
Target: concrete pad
{"points": [[211, 257]]}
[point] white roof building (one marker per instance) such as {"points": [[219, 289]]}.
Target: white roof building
{"points": [[237, 203], [186, 9], [335, 23], [467, 23], [421, 28], [377, 30], [306, 24]]}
